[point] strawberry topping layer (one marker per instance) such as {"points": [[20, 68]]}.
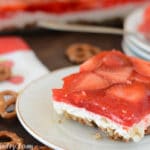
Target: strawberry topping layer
{"points": [[60, 6], [111, 85]]}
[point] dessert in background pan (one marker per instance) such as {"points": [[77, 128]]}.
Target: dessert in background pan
{"points": [[19, 14]]}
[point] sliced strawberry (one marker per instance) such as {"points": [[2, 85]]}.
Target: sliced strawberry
{"points": [[115, 59], [85, 81], [115, 75], [138, 77], [141, 66], [93, 63], [111, 59], [133, 92], [92, 82]]}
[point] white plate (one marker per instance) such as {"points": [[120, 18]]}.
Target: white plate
{"points": [[36, 114], [131, 24], [136, 45], [137, 50], [127, 51]]}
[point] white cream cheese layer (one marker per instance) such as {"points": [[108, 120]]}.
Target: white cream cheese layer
{"points": [[136, 132]]}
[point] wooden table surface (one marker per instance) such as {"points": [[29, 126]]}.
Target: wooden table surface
{"points": [[50, 48]]}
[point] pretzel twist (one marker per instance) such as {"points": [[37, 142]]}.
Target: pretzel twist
{"points": [[79, 53], [14, 141]]}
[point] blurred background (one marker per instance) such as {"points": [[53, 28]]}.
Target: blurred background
{"points": [[22, 17], [26, 14]]}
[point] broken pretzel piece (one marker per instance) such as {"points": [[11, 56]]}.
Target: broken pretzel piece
{"points": [[7, 99]]}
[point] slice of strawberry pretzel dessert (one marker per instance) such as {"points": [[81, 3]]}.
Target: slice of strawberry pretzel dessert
{"points": [[112, 91]]}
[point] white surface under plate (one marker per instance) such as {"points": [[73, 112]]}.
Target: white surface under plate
{"points": [[36, 114]]}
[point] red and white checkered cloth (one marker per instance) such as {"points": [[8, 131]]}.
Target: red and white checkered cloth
{"points": [[25, 66]]}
